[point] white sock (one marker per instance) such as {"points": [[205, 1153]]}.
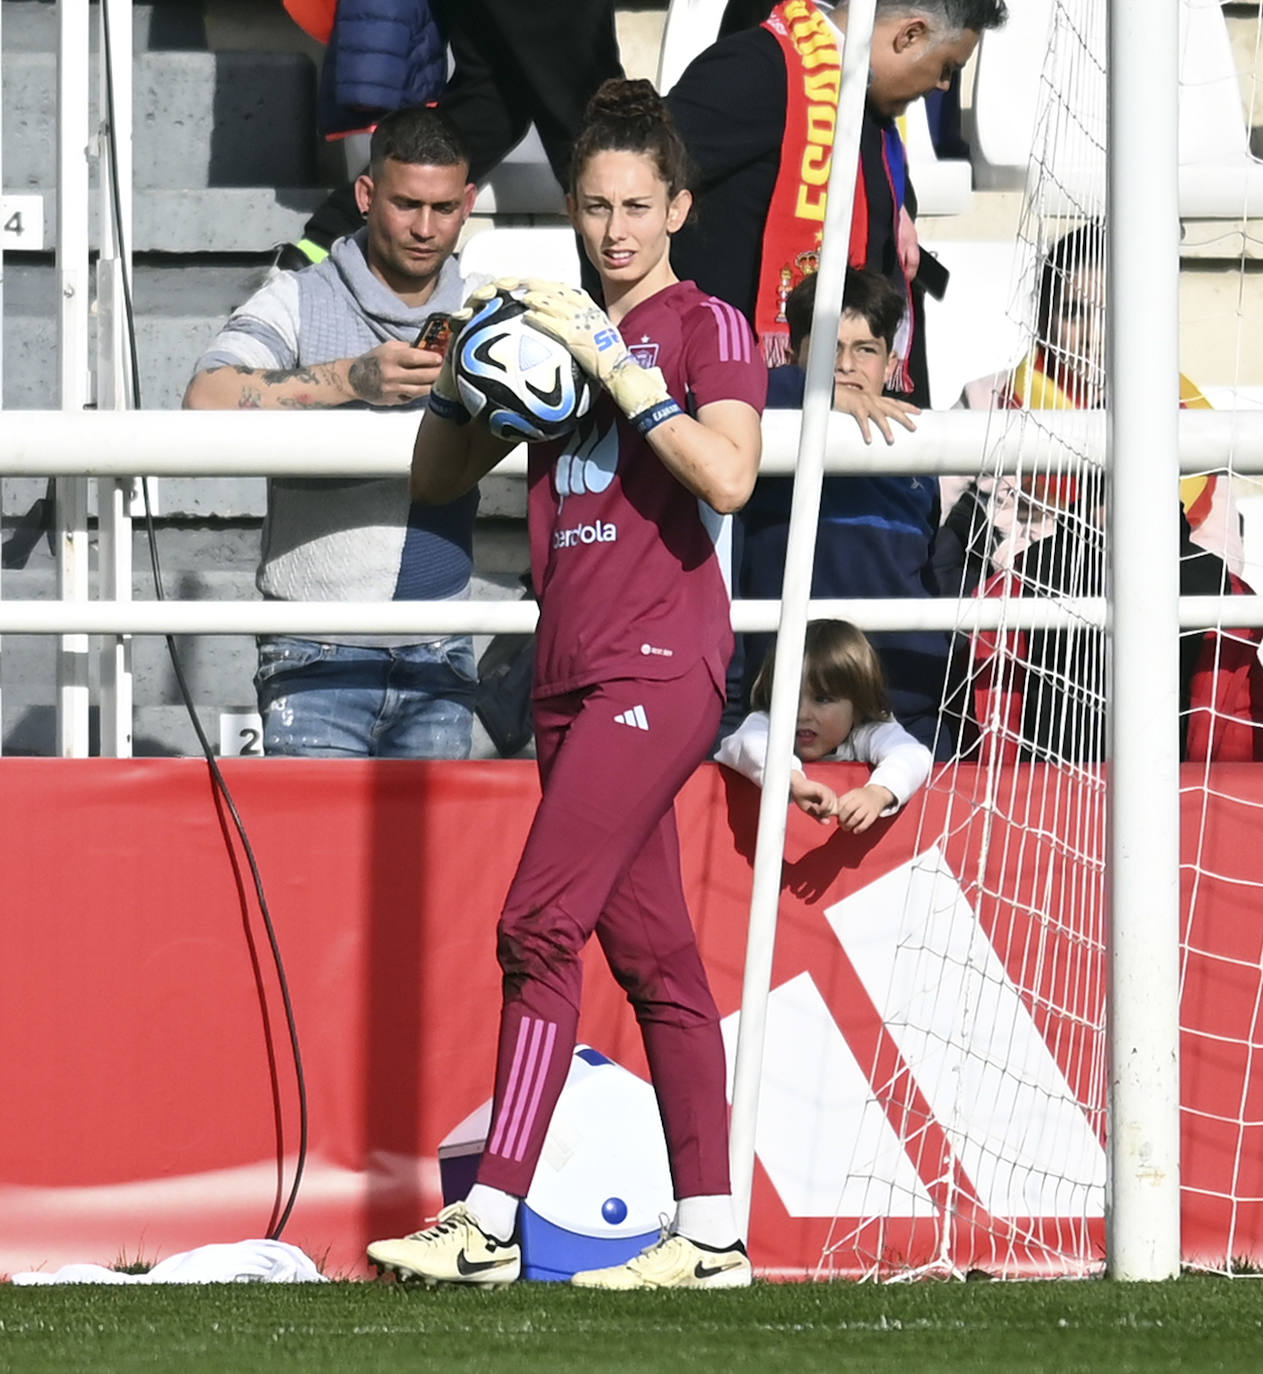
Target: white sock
{"points": [[494, 1211], [707, 1220]]}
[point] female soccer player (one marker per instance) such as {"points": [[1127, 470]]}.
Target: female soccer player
{"points": [[627, 534]]}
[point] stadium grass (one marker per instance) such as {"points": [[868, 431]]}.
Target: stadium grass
{"points": [[362, 1328]]}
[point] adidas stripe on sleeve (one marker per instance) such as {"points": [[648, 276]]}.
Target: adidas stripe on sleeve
{"points": [[723, 362]]}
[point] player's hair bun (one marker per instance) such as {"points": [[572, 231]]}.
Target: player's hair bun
{"points": [[634, 101], [631, 116]]}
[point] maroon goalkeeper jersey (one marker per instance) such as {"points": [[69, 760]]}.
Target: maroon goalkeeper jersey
{"points": [[631, 568]]}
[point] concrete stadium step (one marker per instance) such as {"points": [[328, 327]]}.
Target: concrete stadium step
{"points": [[179, 306], [201, 119], [201, 220], [158, 730], [217, 667], [31, 25], [164, 731]]}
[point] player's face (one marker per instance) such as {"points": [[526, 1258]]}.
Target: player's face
{"points": [[823, 723], [623, 212], [414, 214], [911, 58], [862, 363]]}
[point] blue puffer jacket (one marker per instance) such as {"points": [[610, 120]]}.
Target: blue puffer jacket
{"points": [[383, 55]]}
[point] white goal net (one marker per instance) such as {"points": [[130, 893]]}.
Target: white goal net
{"points": [[986, 957]]}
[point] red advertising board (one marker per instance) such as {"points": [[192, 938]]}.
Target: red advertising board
{"points": [[934, 1061]]}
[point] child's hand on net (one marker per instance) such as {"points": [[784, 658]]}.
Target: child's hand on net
{"points": [[813, 797], [857, 809]]}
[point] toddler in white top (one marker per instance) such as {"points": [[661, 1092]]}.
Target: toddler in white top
{"points": [[843, 714]]}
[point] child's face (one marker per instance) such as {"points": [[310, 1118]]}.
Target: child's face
{"points": [[823, 723], [863, 362]]}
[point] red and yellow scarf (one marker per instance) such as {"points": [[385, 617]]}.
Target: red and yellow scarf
{"points": [[1033, 389], [795, 219]]}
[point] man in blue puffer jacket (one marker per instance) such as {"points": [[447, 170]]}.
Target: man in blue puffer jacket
{"points": [[383, 55], [514, 65]]}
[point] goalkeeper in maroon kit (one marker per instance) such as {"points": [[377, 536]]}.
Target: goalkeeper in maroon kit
{"points": [[629, 539]]}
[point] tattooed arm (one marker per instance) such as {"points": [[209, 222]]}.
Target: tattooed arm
{"points": [[392, 374]]}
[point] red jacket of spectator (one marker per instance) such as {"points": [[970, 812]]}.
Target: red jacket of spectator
{"points": [[1225, 698]]}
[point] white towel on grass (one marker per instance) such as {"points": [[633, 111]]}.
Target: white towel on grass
{"points": [[244, 1261]]}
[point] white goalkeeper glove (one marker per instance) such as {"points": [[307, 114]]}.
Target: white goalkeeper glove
{"points": [[574, 319]]}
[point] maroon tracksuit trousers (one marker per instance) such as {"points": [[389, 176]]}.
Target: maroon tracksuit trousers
{"points": [[603, 855]]}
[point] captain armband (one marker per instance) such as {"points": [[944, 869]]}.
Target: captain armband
{"points": [[656, 415]]}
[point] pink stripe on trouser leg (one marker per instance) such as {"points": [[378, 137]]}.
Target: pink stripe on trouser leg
{"points": [[511, 1093], [518, 1148], [608, 793], [516, 1108]]}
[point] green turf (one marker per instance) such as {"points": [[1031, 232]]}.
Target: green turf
{"points": [[1195, 1324]]}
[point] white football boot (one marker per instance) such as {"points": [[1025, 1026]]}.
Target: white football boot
{"points": [[454, 1250], [674, 1262]]}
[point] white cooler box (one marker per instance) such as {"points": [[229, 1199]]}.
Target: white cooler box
{"points": [[602, 1186]]}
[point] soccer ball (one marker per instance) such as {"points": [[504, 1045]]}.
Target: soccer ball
{"points": [[522, 384]]}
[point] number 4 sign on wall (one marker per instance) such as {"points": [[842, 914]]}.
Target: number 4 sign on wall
{"points": [[22, 224]]}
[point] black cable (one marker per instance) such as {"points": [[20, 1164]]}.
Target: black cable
{"points": [[276, 1225]]}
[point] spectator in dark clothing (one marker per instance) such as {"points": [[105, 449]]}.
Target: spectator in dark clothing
{"points": [[1041, 694], [763, 142], [514, 65], [382, 55], [744, 14]]}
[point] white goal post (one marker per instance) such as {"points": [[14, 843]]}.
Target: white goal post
{"points": [[1143, 369]]}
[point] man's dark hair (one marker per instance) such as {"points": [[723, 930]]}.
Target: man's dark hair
{"points": [[866, 294], [743, 14], [420, 135], [952, 14], [978, 15]]}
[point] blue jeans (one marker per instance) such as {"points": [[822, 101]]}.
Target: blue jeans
{"points": [[348, 701]]}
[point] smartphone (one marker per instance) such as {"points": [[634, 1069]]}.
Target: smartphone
{"points": [[932, 276], [436, 334]]}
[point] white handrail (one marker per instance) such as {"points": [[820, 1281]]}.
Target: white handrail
{"points": [[519, 617], [331, 443]]}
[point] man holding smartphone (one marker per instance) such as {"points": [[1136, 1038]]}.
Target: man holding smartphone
{"points": [[363, 328]]}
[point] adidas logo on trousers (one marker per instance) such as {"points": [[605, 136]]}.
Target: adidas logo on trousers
{"points": [[633, 716]]}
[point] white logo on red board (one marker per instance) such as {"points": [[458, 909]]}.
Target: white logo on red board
{"points": [[967, 1040]]}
